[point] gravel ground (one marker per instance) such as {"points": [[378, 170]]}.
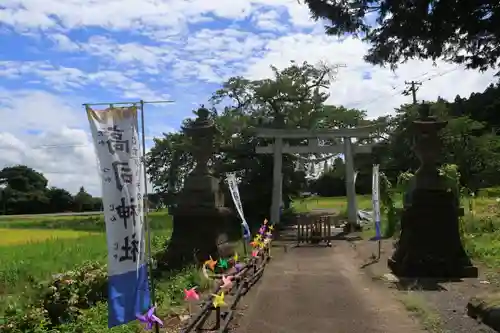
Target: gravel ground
{"points": [[448, 300]]}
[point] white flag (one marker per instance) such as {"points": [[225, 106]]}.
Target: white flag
{"points": [[235, 194], [376, 198], [116, 141]]}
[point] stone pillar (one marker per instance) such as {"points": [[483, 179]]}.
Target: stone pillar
{"points": [[352, 209], [277, 181], [429, 243], [200, 219]]}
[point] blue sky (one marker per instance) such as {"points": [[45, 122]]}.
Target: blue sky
{"points": [[56, 55]]}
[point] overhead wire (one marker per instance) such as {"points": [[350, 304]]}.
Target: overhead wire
{"points": [[363, 103]]}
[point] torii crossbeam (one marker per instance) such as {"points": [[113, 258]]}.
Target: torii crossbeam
{"points": [[313, 136]]}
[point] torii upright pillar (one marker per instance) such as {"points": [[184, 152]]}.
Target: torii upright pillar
{"points": [[350, 184], [277, 180]]}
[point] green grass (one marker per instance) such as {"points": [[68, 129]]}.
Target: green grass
{"points": [[427, 316], [339, 203], [158, 220], [480, 229], [26, 264], [169, 298]]}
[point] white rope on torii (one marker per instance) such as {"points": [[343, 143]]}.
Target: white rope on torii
{"points": [[315, 160], [310, 164]]}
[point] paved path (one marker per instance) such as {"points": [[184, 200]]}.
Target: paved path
{"points": [[322, 290]]}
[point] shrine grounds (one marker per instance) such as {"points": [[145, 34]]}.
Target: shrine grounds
{"points": [[33, 250]]}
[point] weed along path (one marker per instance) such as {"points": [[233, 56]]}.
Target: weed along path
{"points": [[322, 290]]}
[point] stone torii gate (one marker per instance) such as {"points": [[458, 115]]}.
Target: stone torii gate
{"points": [[278, 148]]}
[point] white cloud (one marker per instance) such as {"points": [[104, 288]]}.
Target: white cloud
{"points": [[148, 49]]}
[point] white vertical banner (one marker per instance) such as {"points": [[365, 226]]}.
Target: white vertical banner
{"points": [[235, 194], [376, 198], [116, 140]]}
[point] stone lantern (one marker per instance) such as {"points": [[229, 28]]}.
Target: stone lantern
{"points": [[199, 217], [429, 243]]}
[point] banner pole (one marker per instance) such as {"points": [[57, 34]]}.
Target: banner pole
{"points": [[146, 214]]}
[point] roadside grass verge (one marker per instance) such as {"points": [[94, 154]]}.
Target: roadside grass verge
{"points": [[418, 306]]}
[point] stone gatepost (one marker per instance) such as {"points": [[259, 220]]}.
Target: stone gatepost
{"points": [[199, 217], [429, 243]]}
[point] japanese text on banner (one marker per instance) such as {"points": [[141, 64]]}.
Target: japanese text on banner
{"points": [[115, 134]]}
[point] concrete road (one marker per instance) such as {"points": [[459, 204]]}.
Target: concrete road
{"points": [[322, 290]]}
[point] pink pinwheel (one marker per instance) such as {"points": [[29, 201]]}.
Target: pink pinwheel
{"points": [[255, 253], [227, 282], [191, 294], [150, 319]]}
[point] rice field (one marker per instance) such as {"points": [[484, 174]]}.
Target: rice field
{"points": [[35, 252], [22, 236]]}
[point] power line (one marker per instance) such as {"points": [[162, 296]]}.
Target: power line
{"points": [[399, 92], [364, 103]]}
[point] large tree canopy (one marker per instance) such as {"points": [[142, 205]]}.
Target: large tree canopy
{"points": [[458, 31], [293, 98]]}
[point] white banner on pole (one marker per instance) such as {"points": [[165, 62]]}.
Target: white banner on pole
{"points": [[376, 199], [235, 194], [116, 140]]}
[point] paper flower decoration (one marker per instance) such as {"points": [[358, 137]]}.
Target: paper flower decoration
{"points": [[235, 258], [262, 230], [271, 227], [258, 238], [227, 282], [238, 267], [265, 221], [218, 300], [211, 263], [255, 253], [223, 263], [191, 294], [150, 319]]}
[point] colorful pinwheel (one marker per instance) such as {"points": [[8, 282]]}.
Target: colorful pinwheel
{"points": [[150, 319]]}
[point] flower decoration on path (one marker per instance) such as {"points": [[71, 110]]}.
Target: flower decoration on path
{"points": [[218, 300], [223, 263], [227, 282], [191, 294], [263, 238], [211, 263], [150, 319]]}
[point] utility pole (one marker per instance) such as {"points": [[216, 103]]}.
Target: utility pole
{"points": [[413, 87]]}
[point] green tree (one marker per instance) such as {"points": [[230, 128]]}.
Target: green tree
{"points": [[458, 31], [24, 190], [83, 201], [60, 200], [293, 97]]}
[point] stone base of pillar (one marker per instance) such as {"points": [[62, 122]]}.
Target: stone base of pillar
{"points": [[430, 244], [197, 235], [201, 223]]}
